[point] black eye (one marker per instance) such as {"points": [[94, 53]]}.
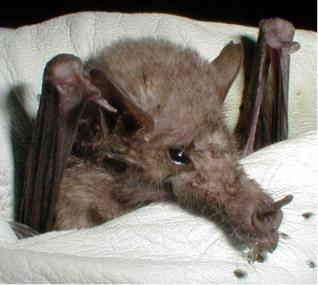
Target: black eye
{"points": [[178, 156]]}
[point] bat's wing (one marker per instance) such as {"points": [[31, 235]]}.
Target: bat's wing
{"points": [[263, 117], [68, 95], [65, 92]]}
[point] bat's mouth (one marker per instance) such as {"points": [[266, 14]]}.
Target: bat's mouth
{"points": [[266, 241]]}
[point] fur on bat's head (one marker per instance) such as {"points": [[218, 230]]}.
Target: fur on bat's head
{"points": [[169, 131]]}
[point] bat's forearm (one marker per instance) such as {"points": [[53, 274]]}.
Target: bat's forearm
{"points": [[264, 112]]}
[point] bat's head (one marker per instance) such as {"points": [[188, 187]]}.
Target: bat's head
{"points": [[170, 132]]}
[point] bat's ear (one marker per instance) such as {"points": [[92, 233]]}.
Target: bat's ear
{"points": [[226, 66], [130, 118]]}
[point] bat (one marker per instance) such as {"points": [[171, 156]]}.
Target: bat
{"points": [[141, 122]]}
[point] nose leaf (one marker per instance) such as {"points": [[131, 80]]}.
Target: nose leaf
{"points": [[276, 205], [282, 202]]}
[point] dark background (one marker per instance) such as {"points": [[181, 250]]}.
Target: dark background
{"points": [[302, 13]]}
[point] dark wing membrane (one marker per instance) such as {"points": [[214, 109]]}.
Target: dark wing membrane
{"points": [[264, 112], [65, 92]]}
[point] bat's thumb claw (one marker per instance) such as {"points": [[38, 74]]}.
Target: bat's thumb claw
{"points": [[290, 47], [96, 97], [104, 104]]}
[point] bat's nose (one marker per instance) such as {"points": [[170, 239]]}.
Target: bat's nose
{"points": [[267, 222], [269, 219]]}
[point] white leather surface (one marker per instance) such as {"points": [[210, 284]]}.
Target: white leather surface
{"points": [[160, 243]]}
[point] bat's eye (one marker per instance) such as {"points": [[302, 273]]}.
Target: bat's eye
{"points": [[178, 156]]}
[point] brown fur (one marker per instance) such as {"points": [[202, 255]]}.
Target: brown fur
{"points": [[183, 94]]}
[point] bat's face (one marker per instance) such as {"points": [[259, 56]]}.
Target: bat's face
{"points": [[200, 168], [174, 138]]}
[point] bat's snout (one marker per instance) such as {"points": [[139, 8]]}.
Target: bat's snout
{"points": [[268, 222], [269, 219], [256, 218]]}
